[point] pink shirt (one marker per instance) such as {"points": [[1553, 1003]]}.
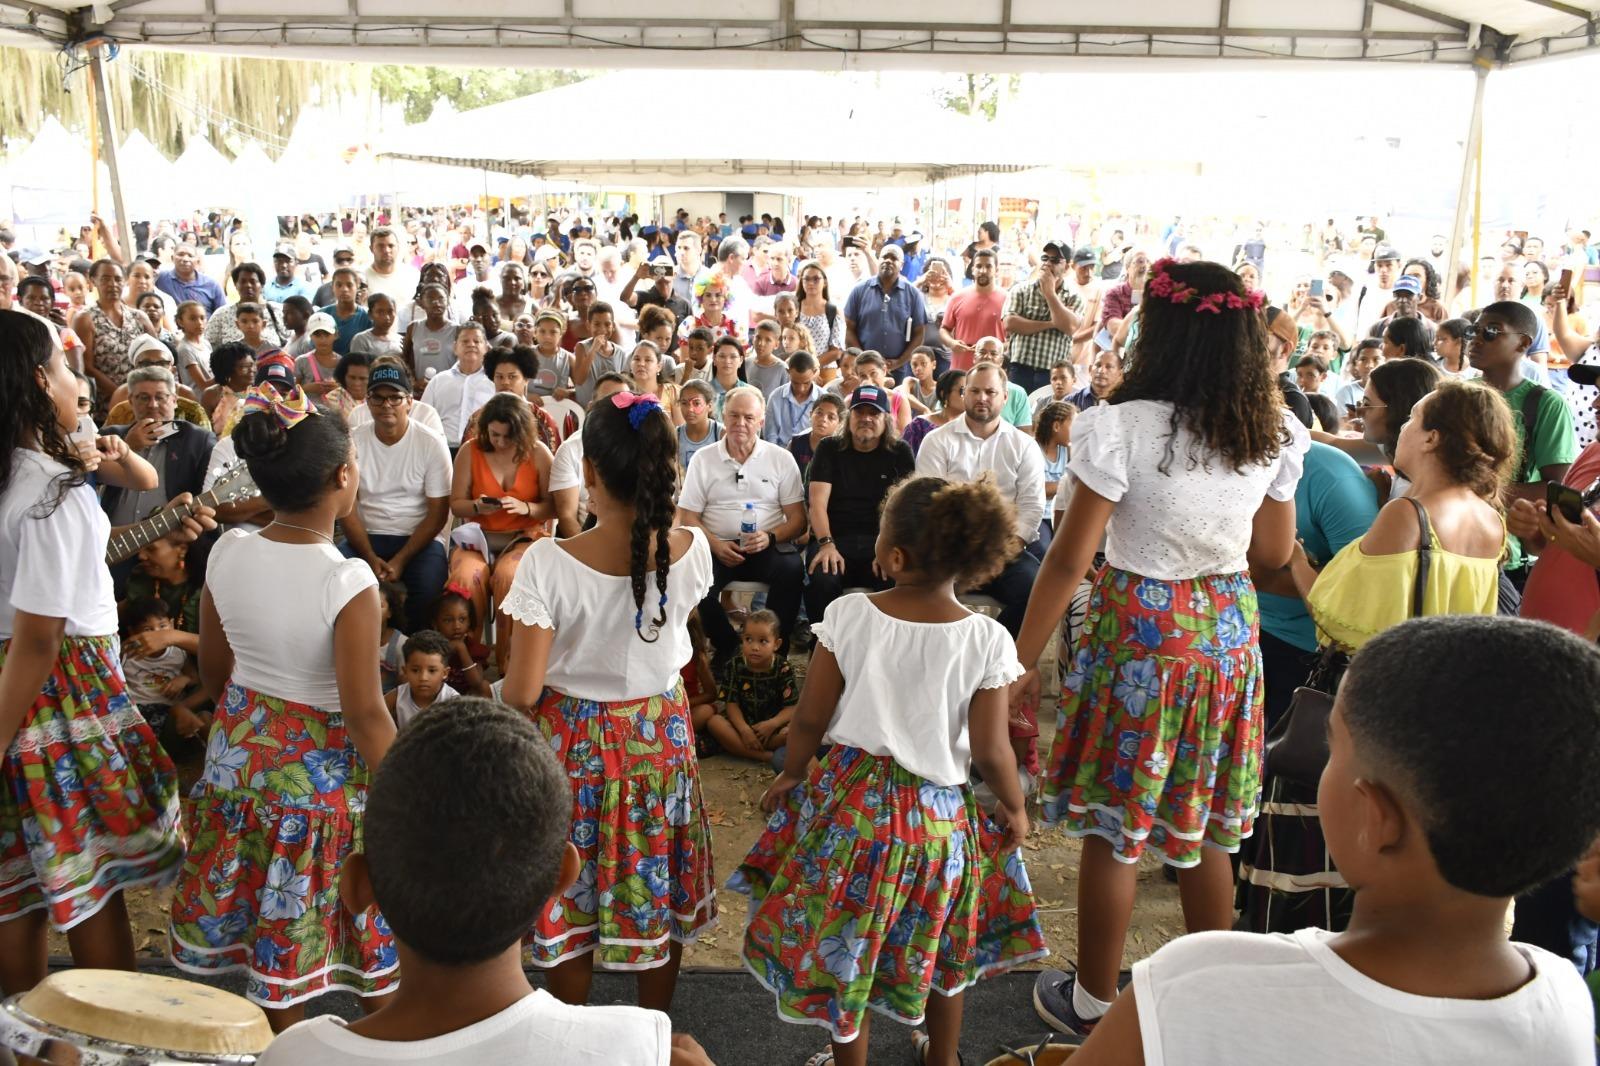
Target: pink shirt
{"points": [[971, 316], [1561, 590]]}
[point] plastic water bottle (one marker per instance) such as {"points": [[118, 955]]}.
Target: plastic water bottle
{"points": [[747, 527]]}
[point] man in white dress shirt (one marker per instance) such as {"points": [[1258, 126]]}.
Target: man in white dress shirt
{"points": [[981, 442], [741, 469], [464, 388]]}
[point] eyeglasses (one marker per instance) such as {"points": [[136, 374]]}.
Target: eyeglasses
{"points": [[1052, 259], [583, 288], [1490, 333], [388, 399], [1365, 406], [538, 274]]}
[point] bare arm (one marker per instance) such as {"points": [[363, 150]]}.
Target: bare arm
{"points": [[355, 633], [1272, 534], [216, 654], [528, 661], [565, 503], [851, 340], [1065, 564], [463, 504]]}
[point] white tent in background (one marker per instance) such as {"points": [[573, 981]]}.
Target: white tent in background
{"points": [[204, 178], [51, 179], [148, 179]]}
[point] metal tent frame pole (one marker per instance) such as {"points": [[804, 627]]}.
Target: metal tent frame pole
{"points": [[1469, 157], [108, 141]]}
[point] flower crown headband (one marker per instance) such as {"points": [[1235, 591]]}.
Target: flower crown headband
{"points": [[1162, 284]]}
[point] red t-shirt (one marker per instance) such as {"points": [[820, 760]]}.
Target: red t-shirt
{"points": [[1562, 590], [971, 316]]}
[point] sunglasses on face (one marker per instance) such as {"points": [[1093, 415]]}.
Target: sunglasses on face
{"points": [[583, 288], [1489, 333]]}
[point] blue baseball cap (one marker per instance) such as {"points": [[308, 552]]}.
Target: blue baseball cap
{"points": [[1407, 283], [870, 396], [393, 376]]}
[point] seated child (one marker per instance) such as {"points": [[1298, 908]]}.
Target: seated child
{"points": [[459, 865], [456, 618], [427, 658], [165, 683], [700, 689], [391, 642], [757, 693], [1432, 816]]}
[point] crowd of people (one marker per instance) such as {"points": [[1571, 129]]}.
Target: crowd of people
{"points": [[426, 559]]}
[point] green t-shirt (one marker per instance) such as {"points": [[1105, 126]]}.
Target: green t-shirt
{"points": [[1018, 411], [1553, 444]]}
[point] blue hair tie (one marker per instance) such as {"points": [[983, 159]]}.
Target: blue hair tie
{"points": [[642, 409]]}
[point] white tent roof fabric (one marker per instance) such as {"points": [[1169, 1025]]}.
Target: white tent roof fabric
{"points": [[863, 34]]}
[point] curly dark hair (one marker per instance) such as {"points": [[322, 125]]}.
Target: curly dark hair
{"points": [[966, 532], [1430, 276], [1477, 440], [638, 465], [27, 344], [1212, 368]]}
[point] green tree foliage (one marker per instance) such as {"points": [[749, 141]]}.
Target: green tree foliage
{"points": [[979, 94], [421, 89]]}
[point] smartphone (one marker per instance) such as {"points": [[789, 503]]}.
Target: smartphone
{"points": [[490, 502], [1568, 501], [161, 431], [1566, 287], [1316, 288]]}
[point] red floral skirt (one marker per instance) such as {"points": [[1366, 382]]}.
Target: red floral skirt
{"points": [[88, 800]]}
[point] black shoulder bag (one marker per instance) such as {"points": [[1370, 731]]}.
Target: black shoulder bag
{"points": [[1297, 747]]}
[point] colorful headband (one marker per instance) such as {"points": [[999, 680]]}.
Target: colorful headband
{"points": [[1162, 284], [290, 409], [639, 406]]}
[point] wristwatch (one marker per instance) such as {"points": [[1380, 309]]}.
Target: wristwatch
{"points": [[823, 542]]}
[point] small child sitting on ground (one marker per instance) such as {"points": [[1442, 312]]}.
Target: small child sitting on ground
{"points": [[457, 620], [700, 688], [166, 683], [460, 863], [1433, 819], [426, 663], [757, 693]]}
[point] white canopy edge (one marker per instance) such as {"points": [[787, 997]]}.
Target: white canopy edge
{"points": [[988, 35]]}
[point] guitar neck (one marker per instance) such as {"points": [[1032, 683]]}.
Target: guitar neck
{"points": [[126, 544]]}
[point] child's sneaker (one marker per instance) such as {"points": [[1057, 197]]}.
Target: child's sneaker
{"points": [[1052, 999]]}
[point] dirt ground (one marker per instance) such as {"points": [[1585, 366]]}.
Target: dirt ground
{"points": [[732, 790]]}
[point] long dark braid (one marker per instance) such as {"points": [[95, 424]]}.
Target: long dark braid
{"points": [[652, 511]]}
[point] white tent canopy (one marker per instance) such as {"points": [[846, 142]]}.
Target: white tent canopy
{"points": [[842, 131], [827, 34]]}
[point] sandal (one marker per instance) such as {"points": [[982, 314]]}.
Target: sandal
{"points": [[919, 1048], [821, 1058]]}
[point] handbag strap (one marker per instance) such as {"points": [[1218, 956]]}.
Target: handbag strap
{"points": [[1424, 556]]}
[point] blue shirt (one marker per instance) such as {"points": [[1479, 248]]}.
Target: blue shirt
{"points": [[1333, 505], [347, 328], [203, 290], [278, 293], [788, 417], [881, 319], [687, 447]]}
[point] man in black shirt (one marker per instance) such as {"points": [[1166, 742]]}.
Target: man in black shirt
{"points": [[660, 291], [848, 479]]}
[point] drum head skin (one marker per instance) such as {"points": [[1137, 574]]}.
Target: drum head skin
{"points": [[146, 1010]]}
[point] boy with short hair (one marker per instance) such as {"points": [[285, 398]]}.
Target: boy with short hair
{"points": [[1311, 373], [696, 350], [465, 841], [756, 694], [250, 320], [349, 316], [297, 312], [380, 339], [1430, 816], [763, 368], [164, 685], [425, 663], [552, 378], [789, 406]]}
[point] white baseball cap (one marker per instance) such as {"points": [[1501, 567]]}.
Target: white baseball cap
{"points": [[321, 322]]}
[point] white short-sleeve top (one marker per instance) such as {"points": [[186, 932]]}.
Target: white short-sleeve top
{"points": [[278, 603], [717, 486], [1190, 521], [596, 653], [916, 713], [53, 564]]}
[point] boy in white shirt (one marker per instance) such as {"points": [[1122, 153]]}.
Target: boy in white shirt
{"points": [[1431, 818], [465, 842]]}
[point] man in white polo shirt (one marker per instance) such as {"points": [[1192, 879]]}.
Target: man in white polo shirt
{"points": [[981, 442], [743, 469], [463, 388], [404, 497]]}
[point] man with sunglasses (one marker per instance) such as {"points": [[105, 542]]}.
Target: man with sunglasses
{"points": [[1041, 317], [1497, 346]]}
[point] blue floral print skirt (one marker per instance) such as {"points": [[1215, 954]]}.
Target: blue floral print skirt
{"points": [[1159, 738], [871, 887], [274, 815], [640, 829]]}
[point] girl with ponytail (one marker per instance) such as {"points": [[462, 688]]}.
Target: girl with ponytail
{"points": [[600, 632]]}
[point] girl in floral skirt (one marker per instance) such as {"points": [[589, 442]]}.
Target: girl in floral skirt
{"points": [[1190, 471], [600, 636], [88, 800], [287, 628], [878, 878]]}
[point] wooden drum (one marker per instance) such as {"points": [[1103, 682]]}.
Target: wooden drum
{"points": [[114, 1018]]}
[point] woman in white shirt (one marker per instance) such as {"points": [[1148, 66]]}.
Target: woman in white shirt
{"points": [[88, 800], [599, 639], [1190, 471], [287, 629]]}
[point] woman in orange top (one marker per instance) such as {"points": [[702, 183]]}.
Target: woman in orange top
{"points": [[499, 483]]}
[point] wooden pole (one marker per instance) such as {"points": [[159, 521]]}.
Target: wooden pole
{"points": [[108, 137]]}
